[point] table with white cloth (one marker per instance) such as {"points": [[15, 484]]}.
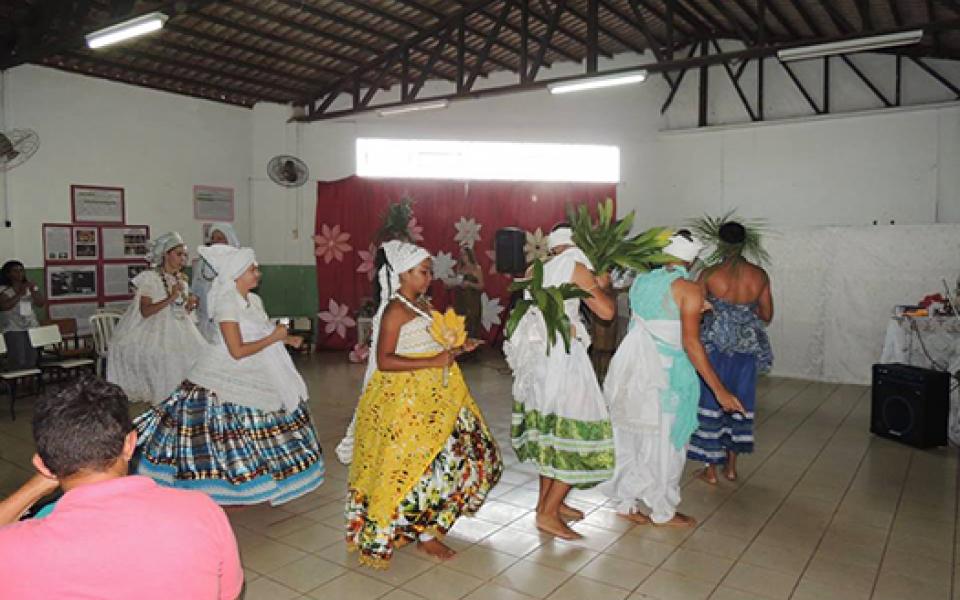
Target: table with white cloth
{"points": [[931, 343]]}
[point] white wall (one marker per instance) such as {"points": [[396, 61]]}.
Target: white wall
{"points": [[155, 145]]}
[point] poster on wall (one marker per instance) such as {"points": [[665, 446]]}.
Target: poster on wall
{"points": [[125, 242], [91, 204], [56, 243], [212, 203], [116, 306], [85, 243], [80, 311], [65, 282], [117, 276]]}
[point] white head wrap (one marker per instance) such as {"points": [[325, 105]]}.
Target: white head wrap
{"points": [[163, 244], [560, 237], [401, 257], [229, 263], [682, 248], [228, 232]]}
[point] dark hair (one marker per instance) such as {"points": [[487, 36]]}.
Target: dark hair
{"points": [[733, 233], [81, 427], [5, 271], [560, 225], [379, 261], [685, 234]]}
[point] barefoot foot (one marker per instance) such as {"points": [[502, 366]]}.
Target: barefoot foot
{"points": [[437, 549], [679, 520], [730, 472], [569, 513], [554, 526], [708, 474], [638, 518]]}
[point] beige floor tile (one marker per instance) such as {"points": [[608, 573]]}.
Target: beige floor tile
{"points": [[616, 571], [791, 561], [532, 579], [565, 557], [665, 585], [715, 543], [314, 538], [515, 542], [492, 591], [307, 573], [481, 561], [521, 497], [472, 529], [606, 518], [594, 538], [351, 586], [760, 581], [815, 590], [841, 552], [403, 568], [892, 586], [708, 568], [640, 550], [580, 588], [673, 536], [726, 593], [442, 583], [919, 545], [400, 594], [267, 589], [292, 524], [269, 555], [495, 511], [897, 562]]}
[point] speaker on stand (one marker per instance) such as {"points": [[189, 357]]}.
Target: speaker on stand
{"points": [[508, 248], [910, 404]]}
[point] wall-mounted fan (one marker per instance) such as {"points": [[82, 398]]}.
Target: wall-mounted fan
{"points": [[288, 171], [16, 147]]}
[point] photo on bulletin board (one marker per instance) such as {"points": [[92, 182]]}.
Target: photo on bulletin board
{"points": [[95, 204], [67, 282], [125, 242], [85, 245], [117, 276], [212, 203], [57, 242], [80, 311]]}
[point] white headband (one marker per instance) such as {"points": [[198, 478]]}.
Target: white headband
{"points": [[228, 232], [229, 263], [163, 244], [682, 248], [560, 237]]}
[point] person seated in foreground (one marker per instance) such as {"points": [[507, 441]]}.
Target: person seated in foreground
{"points": [[110, 536]]}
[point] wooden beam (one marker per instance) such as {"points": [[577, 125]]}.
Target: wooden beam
{"points": [[545, 40], [493, 34]]}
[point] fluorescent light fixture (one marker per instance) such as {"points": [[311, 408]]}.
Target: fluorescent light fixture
{"points": [[889, 40], [503, 161], [128, 29], [399, 110], [597, 82]]}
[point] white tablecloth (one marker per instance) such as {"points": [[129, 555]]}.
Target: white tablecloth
{"points": [[915, 341]]}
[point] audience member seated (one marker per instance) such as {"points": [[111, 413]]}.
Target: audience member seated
{"points": [[110, 536], [18, 297]]}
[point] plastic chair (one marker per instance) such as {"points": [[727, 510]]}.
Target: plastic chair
{"points": [[103, 324], [48, 338], [11, 379], [74, 345]]}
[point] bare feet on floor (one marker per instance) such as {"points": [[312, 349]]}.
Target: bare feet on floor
{"points": [[730, 472], [554, 526], [679, 520], [569, 513], [708, 474], [437, 549], [638, 518]]}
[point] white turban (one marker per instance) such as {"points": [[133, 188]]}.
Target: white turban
{"points": [[229, 263], [560, 237], [228, 232], [682, 248], [163, 244], [401, 257]]}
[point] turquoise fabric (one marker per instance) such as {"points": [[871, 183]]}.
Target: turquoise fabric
{"points": [[651, 299]]}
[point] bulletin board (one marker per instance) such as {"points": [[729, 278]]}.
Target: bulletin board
{"points": [[90, 266]]}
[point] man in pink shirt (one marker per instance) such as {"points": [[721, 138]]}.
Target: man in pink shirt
{"points": [[110, 536]]}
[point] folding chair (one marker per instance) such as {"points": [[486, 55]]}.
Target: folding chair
{"points": [[47, 339], [103, 324], [11, 379], [73, 346]]}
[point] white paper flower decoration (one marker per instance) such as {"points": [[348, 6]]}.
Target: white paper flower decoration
{"points": [[443, 264], [490, 310], [331, 243], [468, 232], [536, 246], [337, 318]]}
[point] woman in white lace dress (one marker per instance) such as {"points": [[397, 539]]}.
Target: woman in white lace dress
{"points": [[157, 341], [203, 276]]}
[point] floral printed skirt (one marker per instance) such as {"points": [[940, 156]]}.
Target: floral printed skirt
{"points": [[456, 483]]}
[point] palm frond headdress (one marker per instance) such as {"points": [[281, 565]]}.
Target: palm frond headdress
{"points": [[707, 229]]}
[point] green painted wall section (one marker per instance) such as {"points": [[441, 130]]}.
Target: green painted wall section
{"points": [[286, 290]]}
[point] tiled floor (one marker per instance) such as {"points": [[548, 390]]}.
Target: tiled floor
{"points": [[823, 510]]}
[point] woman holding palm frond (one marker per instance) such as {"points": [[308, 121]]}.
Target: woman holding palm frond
{"points": [[735, 338]]}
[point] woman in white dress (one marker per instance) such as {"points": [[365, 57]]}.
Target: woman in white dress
{"points": [[238, 428], [204, 274], [156, 341]]}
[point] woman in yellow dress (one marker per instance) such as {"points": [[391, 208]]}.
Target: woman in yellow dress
{"points": [[423, 455]]}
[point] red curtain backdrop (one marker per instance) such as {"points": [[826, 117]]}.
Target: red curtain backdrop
{"points": [[349, 213]]}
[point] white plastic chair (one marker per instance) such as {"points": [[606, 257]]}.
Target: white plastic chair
{"points": [[48, 337], [102, 325], [12, 378]]}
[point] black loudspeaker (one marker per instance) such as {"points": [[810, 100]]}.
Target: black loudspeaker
{"points": [[910, 405], [508, 247]]}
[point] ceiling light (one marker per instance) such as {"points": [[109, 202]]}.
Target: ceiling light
{"points": [[397, 110], [128, 29], [903, 38], [597, 82]]}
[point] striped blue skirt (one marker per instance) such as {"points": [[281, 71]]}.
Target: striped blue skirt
{"points": [[719, 431], [233, 453]]}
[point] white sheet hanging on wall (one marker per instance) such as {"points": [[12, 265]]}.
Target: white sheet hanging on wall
{"points": [[835, 289]]}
